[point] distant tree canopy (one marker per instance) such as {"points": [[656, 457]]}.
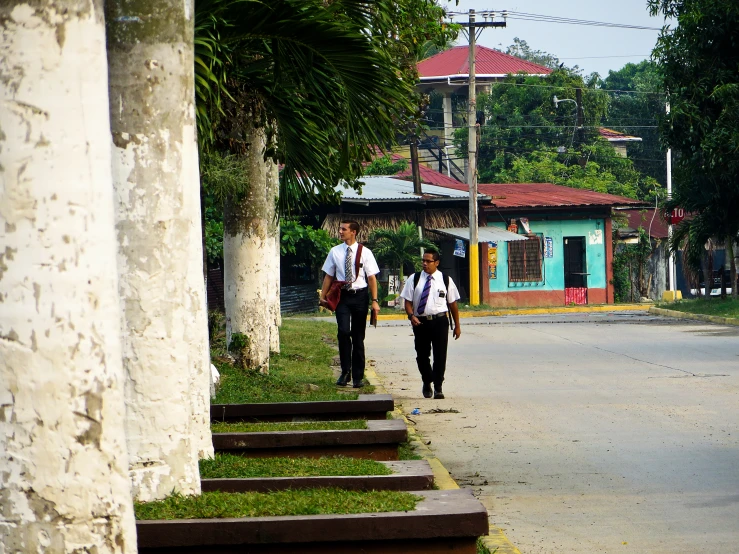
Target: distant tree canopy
{"points": [[698, 61], [521, 49], [525, 138]]}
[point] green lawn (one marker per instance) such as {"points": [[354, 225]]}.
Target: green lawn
{"points": [[708, 306], [279, 503], [230, 466], [262, 427], [307, 350]]}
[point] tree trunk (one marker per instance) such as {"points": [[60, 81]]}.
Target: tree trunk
{"points": [[65, 484], [732, 262], [274, 292], [150, 54], [248, 245]]}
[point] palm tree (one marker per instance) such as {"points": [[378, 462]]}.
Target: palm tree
{"points": [[309, 87], [398, 248]]}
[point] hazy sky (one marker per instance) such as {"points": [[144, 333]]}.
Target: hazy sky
{"points": [[591, 48]]}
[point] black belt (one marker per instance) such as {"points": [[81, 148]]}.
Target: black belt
{"points": [[355, 291], [430, 317]]}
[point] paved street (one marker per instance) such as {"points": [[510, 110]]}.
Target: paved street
{"points": [[586, 433]]}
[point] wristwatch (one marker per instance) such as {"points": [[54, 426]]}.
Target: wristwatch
{"points": [[410, 316], [375, 300]]}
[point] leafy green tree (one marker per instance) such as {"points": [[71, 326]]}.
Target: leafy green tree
{"points": [[398, 248], [595, 166], [385, 165], [698, 61], [636, 112], [305, 241], [521, 49]]}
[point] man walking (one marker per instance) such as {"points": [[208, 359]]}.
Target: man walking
{"points": [[429, 297], [351, 312]]}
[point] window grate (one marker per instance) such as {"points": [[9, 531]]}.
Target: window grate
{"points": [[525, 260]]}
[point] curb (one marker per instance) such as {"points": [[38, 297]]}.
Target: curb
{"points": [[495, 540], [694, 317], [538, 311]]}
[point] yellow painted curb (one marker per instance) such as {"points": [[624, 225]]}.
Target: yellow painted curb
{"points": [[695, 317], [495, 541], [538, 311]]}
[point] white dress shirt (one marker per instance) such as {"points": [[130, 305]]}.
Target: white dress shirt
{"points": [[334, 264], [436, 303]]}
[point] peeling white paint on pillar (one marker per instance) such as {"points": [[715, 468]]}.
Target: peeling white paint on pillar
{"points": [[64, 483], [275, 317], [150, 56], [198, 340], [248, 246]]}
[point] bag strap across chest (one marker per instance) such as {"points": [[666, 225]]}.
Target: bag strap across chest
{"points": [[357, 262], [417, 277]]}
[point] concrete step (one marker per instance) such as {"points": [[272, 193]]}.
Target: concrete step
{"points": [[367, 406], [444, 521], [378, 442], [410, 475]]}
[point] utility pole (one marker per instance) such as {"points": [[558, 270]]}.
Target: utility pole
{"points": [[671, 259], [474, 258], [415, 169], [580, 116]]}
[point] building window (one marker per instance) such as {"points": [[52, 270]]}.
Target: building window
{"points": [[525, 260]]}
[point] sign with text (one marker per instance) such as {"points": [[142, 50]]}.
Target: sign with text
{"points": [[548, 247], [459, 248], [492, 260], [676, 216]]}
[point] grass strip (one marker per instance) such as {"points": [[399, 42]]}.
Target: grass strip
{"points": [[263, 427], [706, 306], [306, 353], [230, 466], [279, 503], [407, 452]]}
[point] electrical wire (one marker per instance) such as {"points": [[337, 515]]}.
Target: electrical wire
{"points": [[524, 16]]}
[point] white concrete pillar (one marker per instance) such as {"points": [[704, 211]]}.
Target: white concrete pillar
{"points": [[150, 54], [448, 119], [63, 466]]}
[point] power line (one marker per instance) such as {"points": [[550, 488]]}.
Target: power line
{"points": [[570, 21], [497, 83]]}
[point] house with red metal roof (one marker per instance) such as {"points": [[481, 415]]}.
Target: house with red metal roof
{"points": [[568, 252], [619, 141], [448, 72]]}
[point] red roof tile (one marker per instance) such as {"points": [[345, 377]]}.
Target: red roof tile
{"points": [[546, 195], [643, 219], [428, 175], [611, 135], [454, 62]]}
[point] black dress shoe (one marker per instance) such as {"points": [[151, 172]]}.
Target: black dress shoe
{"points": [[427, 390], [343, 380], [438, 395], [358, 385]]}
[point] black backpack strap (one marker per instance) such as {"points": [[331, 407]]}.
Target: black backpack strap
{"points": [[416, 278], [448, 312]]}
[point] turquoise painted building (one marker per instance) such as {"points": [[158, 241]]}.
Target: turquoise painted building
{"points": [[567, 257]]}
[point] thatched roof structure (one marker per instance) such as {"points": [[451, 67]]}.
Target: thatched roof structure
{"points": [[432, 219]]}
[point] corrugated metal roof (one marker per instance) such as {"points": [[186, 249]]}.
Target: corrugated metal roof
{"points": [[484, 234], [647, 220], [393, 189], [547, 195], [614, 136], [428, 175], [488, 62]]}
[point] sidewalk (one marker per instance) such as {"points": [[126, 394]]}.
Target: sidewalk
{"points": [[495, 541], [535, 311]]}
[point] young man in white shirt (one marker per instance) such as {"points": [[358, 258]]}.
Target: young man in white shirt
{"points": [[351, 312], [428, 301]]}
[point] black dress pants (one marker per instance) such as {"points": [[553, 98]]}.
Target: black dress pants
{"points": [[432, 334], [351, 318]]}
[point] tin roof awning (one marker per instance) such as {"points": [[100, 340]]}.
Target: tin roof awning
{"points": [[484, 234]]}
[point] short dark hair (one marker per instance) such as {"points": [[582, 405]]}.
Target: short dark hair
{"points": [[434, 254], [353, 225]]}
